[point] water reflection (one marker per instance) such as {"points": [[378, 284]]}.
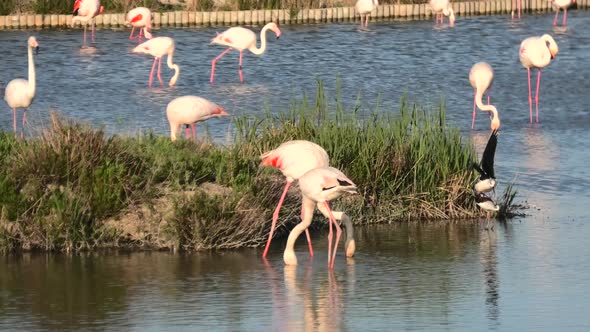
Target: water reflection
{"points": [[488, 259]]}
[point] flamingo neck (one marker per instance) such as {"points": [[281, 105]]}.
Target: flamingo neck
{"points": [[173, 66], [487, 108], [32, 82], [308, 207], [262, 48]]}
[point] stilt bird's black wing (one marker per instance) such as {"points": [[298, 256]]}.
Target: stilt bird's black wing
{"points": [[487, 161]]}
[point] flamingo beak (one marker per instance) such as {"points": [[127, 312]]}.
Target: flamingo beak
{"points": [[278, 33]]}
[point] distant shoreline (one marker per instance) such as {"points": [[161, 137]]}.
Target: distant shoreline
{"points": [[281, 16]]}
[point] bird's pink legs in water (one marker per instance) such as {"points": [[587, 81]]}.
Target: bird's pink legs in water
{"points": [[84, 35], [338, 233], [367, 21], [22, 133], [138, 37], [555, 19], [473, 118], [214, 62], [275, 217], [537, 96], [240, 70], [159, 72], [152, 73], [187, 131], [307, 233], [564, 17], [530, 98], [93, 32], [131, 35], [194, 127]]}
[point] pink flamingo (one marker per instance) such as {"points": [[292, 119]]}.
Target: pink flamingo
{"points": [[443, 7], [84, 11], [140, 17], [537, 52], [19, 93], [516, 3], [319, 186], [189, 110], [240, 39], [158, 47], [365, 7], [561, 4], [481, 77]]}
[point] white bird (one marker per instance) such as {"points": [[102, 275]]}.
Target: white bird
{"points": [[140, 17], [158, 47], [19, 93], [242, 39], [559, 4], [319, 186], [365, 7], [189, 110], [443, 7], [481, 77], [487, 178], [537, 52], [84, 11]]}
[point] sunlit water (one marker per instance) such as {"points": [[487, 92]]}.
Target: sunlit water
{"points": [[529, 274]]}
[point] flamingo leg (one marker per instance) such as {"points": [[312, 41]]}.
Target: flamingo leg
{"points": [[186, 131], [22, 133], [519, 6], [240, 70], [213, 66], [92, 31], [530, 98], [367, 21], [131, 35], [564, 17], [194, 127], [329, 241], [152, 73], [275, 217], [361, 20], [140, 36], [555, 19], [537, 96], [473, 117], [84, 35], [338, 234], [159, 72], [14, 121]]}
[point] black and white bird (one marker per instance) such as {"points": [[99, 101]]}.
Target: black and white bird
{"points": [[486, 204], [487, 179]]}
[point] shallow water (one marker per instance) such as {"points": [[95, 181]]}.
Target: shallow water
{"points": [[529, 274]]}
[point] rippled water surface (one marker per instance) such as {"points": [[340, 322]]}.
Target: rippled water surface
{"points": [[529, 274]]}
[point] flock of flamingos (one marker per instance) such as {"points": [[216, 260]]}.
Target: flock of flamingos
{"points": [[299, 160]]}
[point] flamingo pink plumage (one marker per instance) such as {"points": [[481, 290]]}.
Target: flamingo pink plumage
{"points": [[140, 17], [158, 47], [559, 4], [19, 93], [318, 187], [84, 11], [537, 52], [241, 39], [481, 77], [189, 110]]}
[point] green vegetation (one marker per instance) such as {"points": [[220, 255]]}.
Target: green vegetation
{"points": [[72, 188]]}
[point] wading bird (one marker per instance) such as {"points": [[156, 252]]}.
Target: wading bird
{"points": [[84, 11], [295, 158], [241, 39], [443, 7], [158, 47], [365, 7], [537, 52], [189, 110], [19, 93], [481, 77], [141, 18], [561, 4], [486, 204], [487, 178], [319, 186]]}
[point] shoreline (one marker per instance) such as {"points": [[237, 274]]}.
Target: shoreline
{"points": [[281, 16]]}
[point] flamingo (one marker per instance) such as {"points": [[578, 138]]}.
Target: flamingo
{"points": [[84, 11], [319, 186], [365, 7], [481, 77], [487, 179], [241, 39], [158, 47], [537, 52], [189, 110], [19, 93], [140, 17], [561, 4], [443, 7], [516, 3], [295, 158]]}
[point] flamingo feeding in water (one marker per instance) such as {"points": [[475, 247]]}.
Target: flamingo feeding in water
{"points": [[319, 186], [537, 52], [295, 158], [241, 39], [19, 93], [487, 178], [189, 110], [140, 17], [443, 7], [481, 77], [158, 47], [365, 7], [84, 11], [559, 4]]}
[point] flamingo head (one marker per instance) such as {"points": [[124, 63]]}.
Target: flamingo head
{"points": [[33, 44], [219, 112], [273, 26], [551, 45]]}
